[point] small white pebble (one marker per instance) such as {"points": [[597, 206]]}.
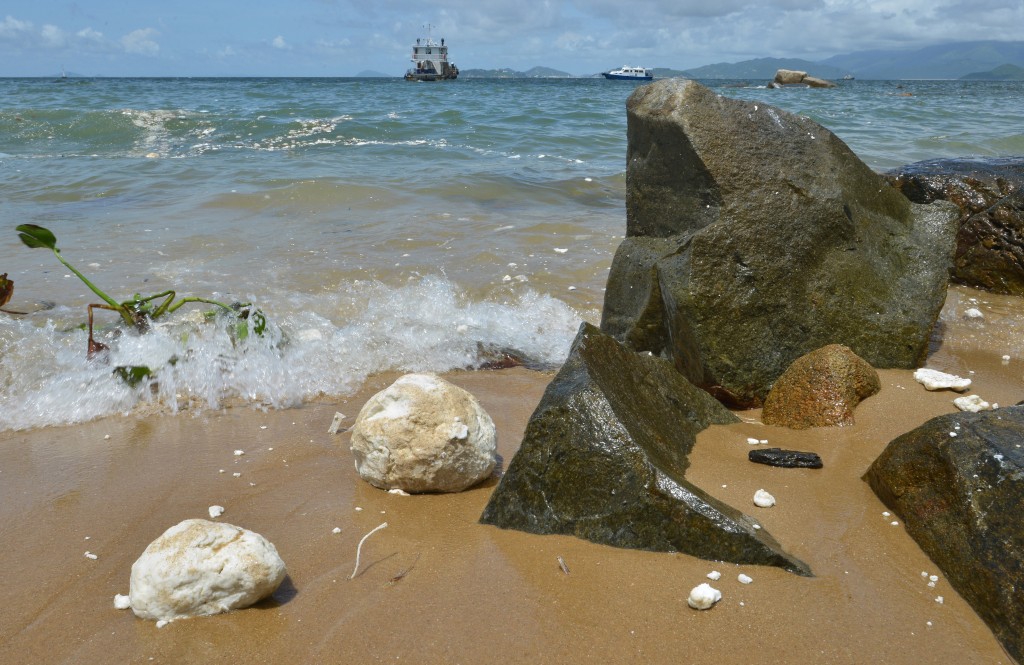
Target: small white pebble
{"points": [[336, 529], [752, 441], [216, 511], [1006, 358], [161, 623], [572, 288], [221, 471], [924, 573], [931, 585], [928, 622], [703, 597], [358, 509], [121, 602], [763, 499], [894, 523], [974, 313], [744, 579], [714, 575], [561, 250], [397, 490], [106, 437], [236, 474], [239, 453], [757, 526], [263, 427], [886, 513], [940, 600], [933, 578], [90, 555], [952, 435]]}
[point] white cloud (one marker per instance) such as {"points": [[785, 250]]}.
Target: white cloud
{"points": [[279, 42], [89, 34], [12, 27], [141, 42], [571, 41], [226, 52], [53, 37]]}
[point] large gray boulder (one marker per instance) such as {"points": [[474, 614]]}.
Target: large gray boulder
{"points": [[755, 236], [604, 457], [989, 193], [957, 482]]}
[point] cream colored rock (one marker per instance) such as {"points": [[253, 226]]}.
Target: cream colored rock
{"points": [[198, 568], [789, 76], [423, 434]]}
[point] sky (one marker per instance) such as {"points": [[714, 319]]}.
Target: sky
{"points": [[345, 38]]}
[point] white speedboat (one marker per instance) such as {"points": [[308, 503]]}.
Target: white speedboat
{"points": [[628, 73]]}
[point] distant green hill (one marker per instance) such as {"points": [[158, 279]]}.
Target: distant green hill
{"points": [[943, 61], [763, 68], [506, 73], [1000, 73], [666, 73]]}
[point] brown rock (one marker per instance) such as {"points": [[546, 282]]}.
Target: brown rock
{"points": [[990, 195], [820, 389], [789, 76]]}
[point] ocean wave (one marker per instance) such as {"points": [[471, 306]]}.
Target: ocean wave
{"points": [[316, 345]]}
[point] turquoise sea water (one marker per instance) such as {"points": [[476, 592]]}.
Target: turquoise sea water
{"points": [[381, 225]]}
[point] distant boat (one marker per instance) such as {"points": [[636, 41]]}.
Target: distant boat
{"points": [[628, 73], [430, 62], [848, 77]]}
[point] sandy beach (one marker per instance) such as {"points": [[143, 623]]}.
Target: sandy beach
{"points": [[437, 587]]}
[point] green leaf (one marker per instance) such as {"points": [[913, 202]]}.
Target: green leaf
{"points": [[259, 323], [133, 375], [36, 236]]}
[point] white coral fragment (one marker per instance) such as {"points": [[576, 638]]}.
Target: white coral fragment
{"points": [[703, 597], [933, 379]]}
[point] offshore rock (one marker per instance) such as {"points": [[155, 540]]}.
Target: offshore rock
{"points": [[960, 498], [199, 568], [820, 389], [604, 455], [784, 77], [755, 236], [423, 434], [789, 459], [990, 195]]}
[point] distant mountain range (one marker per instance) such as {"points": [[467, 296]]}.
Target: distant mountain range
{"points": [[984, 60], [534, 73]]}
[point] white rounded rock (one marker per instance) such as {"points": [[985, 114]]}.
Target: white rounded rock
{"points": [[423, 434], [703, 596], [763, 499], [199, 568]]}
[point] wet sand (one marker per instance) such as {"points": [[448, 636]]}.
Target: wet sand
{"points": [[436, 586]]}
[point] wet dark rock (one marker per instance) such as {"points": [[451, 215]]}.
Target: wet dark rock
{"points": [[990, 195], [820, 389], [790, 459], [960, 498], [604, 456], [755, 236]]}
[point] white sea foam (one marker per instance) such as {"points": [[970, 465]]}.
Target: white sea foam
{"points": [[429, 325]]}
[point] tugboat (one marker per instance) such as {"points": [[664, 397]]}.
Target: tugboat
{"points": [[430, 62], [628, 73]]}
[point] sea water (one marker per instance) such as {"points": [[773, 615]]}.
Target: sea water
{"points": [[380, 225]]}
